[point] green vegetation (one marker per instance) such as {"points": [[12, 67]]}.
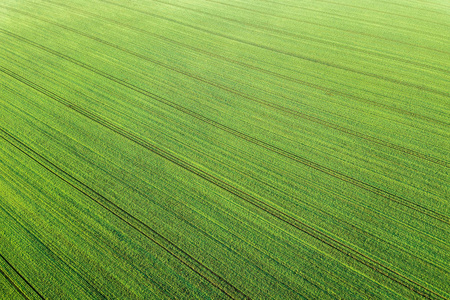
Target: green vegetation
{"points": [[262, 149]]}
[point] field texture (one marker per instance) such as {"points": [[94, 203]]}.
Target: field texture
{"points": [[216, 149]]}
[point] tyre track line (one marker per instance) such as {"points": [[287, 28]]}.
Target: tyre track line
{"points": [[135, 223], [304, 161], [301, 226], [285, 77], [292, 54], [2, 258]]}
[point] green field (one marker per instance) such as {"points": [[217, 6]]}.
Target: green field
{"points": [[217, 149]]}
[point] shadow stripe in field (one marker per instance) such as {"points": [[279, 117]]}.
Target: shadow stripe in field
{"points": [[295, 55], [4, 261], [326, 170], [129, 219], [262, 70], [303, 227]]}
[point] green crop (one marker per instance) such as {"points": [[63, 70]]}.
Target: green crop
{"points": [[260, 149]]}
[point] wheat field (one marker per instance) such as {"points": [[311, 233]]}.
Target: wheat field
{"points": [[212, 149]]}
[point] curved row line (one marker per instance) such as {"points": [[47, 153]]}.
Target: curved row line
{"points": [[262, 70], [304, 161], [301, 226], [14, 284], [296, 55], [135, 223], [310, 182], [310, 38], [234, 169]]}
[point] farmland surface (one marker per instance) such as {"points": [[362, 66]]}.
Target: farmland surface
{"points": [[217, 149]]}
